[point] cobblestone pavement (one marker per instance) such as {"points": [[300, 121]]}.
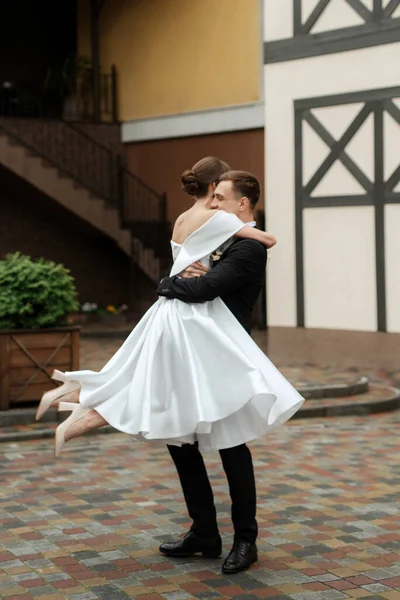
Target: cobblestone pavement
{"points": [[88, 525]]}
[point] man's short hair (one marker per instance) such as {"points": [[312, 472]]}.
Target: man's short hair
{"points": [[244, 184]]}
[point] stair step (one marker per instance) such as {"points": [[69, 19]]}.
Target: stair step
{"points": [[46, 164], [13, 142], [109, 206], [40, 431], [314, 382], [332, 390], [379, 398]]}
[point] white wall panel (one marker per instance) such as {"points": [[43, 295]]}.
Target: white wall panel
{"points": [[339, 268], [278, 19]]}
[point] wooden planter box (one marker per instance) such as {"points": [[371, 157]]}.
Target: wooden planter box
{"points": [[107, 320], [28, 358]]}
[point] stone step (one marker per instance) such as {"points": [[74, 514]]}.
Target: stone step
{"points": [[334, 390], [39, 431], [314, 382], [19, 424], [329, 391], [378, 399]]}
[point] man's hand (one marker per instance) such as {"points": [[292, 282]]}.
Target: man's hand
{"points": [[197, 269], [244, 264]]}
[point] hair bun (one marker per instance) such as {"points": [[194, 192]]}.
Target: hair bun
{"points": [[190, 183]]}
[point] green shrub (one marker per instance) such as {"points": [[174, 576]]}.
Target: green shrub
{"points": [[34, 293]]}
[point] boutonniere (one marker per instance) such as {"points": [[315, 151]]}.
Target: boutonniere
{"points": [[214, 258]]}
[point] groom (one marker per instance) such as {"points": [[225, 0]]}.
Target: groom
{"points": [[237, 277]]}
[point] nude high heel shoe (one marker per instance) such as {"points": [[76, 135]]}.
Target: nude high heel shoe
{"points": [[49, 398], [78, 412]]}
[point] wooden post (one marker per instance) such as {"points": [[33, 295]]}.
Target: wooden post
{"points": [[4, 372], [132, 279], [114, 95], [120, 190], [261, 306]]}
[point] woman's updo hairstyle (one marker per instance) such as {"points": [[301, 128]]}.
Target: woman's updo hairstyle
{"points": [[208, 170]]}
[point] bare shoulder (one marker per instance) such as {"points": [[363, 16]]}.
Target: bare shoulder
{"points": [[189, 221], [205, 215], [182, 218], [179, 225]]}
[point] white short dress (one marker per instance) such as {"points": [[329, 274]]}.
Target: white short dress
{"points": [[190, 372]]}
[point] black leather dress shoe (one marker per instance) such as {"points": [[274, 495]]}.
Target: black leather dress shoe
{"points": [[240, 558], [192, 544]]}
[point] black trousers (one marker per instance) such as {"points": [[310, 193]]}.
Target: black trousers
{"points": [[238, 466]]}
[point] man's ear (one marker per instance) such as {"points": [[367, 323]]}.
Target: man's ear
{"points": [[244, 204]]}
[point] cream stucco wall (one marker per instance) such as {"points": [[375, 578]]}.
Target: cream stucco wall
{"points": [[339, 268], [371, 68]]}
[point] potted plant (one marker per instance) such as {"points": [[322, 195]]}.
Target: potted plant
{"points": [[76, 74], [73, 83], [110, 315], [36, 297]]}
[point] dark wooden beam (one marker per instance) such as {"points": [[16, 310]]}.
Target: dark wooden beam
{"points": [[390, 8], [344, 158], [315, 15], [360, 8], [297, 18], [377, 10], [379, 193], [337, 149]]}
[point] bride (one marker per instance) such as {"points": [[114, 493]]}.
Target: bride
{"points": [[169, 380]]}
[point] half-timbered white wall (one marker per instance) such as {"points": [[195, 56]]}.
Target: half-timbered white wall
{"points": [[339, 243]]}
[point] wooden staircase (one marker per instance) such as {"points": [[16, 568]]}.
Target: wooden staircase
{"points": [[91, 181]]}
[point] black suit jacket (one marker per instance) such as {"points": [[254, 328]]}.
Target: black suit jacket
{"points": [[237, 279]]}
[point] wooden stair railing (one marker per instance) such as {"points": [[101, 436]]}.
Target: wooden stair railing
{"points": [[103, 173]]}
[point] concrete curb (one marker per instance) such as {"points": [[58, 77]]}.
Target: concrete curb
{"points": [[42, 434]]}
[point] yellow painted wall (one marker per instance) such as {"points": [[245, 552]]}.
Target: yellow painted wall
{"points": [[83, 33], [175, 56]]}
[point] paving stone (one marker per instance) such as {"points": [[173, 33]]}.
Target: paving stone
{"points": [[43, 591], [328, 516], [177, 595], [108, 592]]}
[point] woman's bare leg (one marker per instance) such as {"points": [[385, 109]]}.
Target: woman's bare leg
{"points": [[71, 397], [90, 421]]}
